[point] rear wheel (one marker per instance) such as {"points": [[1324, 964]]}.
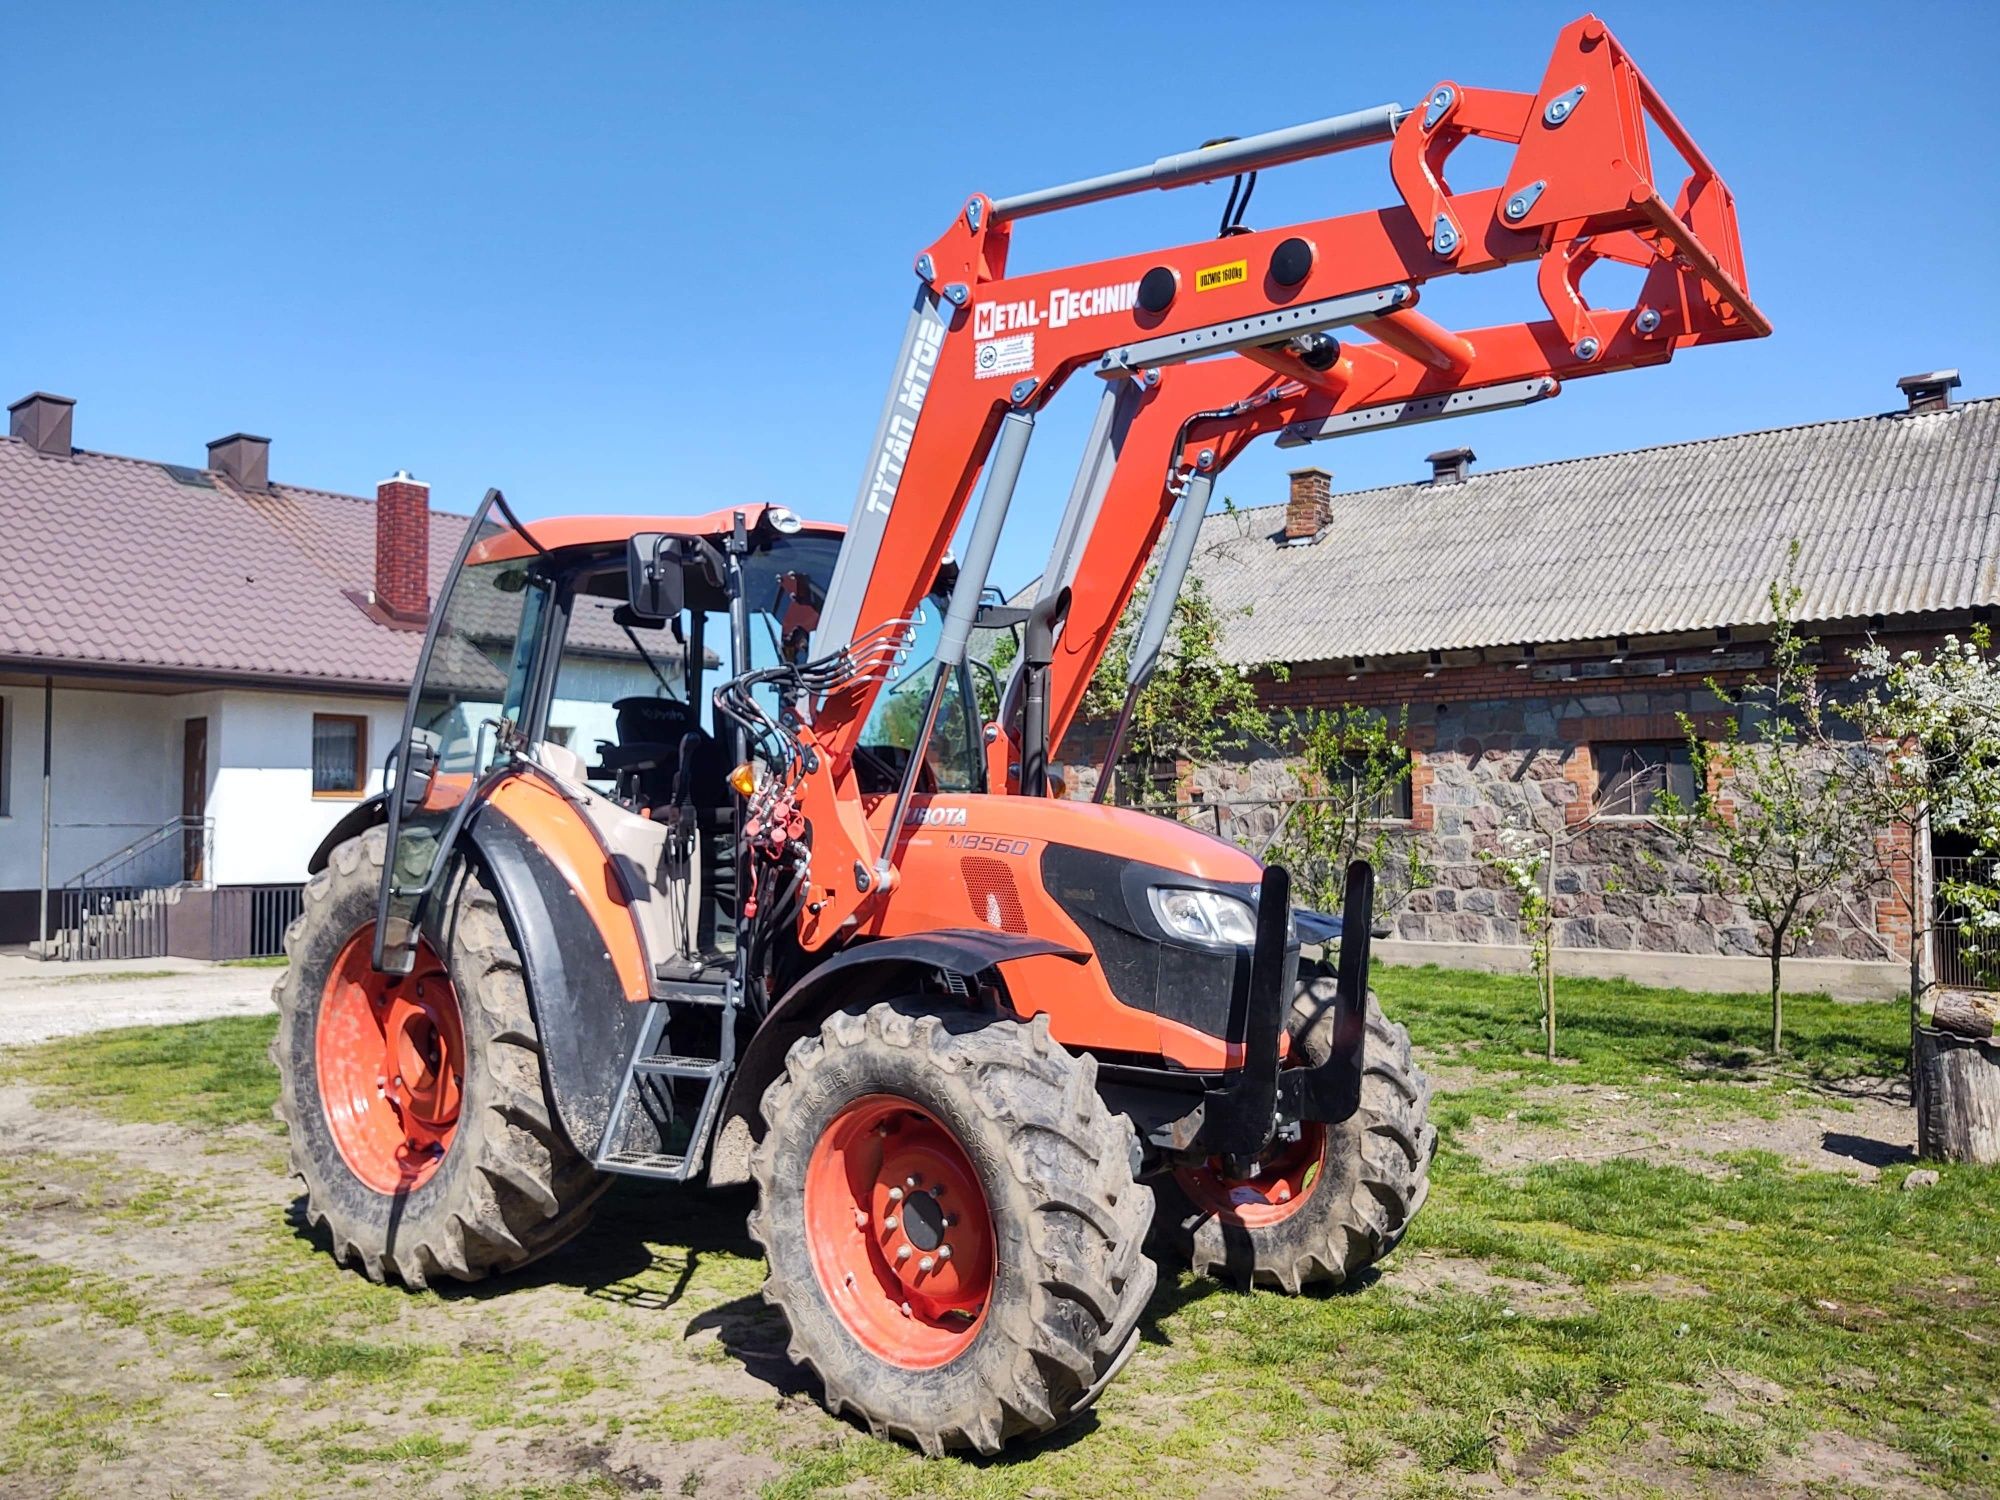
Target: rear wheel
{"points": [[415, 1105], [952, 1226], [1337, 1198]]}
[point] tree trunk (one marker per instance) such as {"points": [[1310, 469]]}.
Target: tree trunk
{"points": [[1958, 1097], [1917, 940], [1777, 1000], [1549, 949]]}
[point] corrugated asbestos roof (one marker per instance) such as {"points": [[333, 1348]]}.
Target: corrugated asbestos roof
{"points": [[1894, 514], [112, 562]]}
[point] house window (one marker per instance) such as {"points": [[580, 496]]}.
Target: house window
{"points": [[340, 755], [1390, 802], [1630, 778]]}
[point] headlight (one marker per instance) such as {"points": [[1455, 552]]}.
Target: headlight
{"points": [[1206, 917]]}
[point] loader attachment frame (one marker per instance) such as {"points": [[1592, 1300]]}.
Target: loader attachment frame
{"points": [[1321, 317]]}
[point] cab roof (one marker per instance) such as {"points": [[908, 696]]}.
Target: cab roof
{"points": [[556, 533]]}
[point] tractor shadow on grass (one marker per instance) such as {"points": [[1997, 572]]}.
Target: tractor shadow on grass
{"points": [[612, 1258], [1179, 1290]]}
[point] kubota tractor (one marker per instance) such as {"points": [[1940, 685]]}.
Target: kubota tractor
{"points": [[701, 860]]}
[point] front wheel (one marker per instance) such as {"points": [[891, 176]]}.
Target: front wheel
{"points": [[415, 1107], [1337, 1198], [951, 1221]]}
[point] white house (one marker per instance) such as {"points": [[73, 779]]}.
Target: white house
{"points": [[200, 672]]}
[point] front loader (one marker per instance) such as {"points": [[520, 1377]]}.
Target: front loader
{"points": [[700, 862]]}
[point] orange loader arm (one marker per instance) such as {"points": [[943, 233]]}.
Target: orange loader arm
{"points": [[1253, 316]]}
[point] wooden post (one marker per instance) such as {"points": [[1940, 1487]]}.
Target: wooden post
{"points": [[1958, 1080]]}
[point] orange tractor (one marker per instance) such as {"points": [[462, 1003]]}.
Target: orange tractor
{"points": [[702, 858]]}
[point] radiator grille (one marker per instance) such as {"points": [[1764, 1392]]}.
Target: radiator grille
{"points": [[989, 884]]}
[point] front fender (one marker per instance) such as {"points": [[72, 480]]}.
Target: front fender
{"points": [[585, 1017], [866, 971], [358, 819]]}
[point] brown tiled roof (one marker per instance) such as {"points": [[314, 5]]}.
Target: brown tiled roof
{"points": [[113, 563]]}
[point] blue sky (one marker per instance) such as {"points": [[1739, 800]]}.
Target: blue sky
{"points": [[655, 258]]}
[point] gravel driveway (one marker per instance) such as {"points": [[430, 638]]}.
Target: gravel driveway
{"points": [[39, 1001]]}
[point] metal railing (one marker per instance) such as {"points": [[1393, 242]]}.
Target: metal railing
{"points": [[1955, 969], [249, 921], [118, 907]]}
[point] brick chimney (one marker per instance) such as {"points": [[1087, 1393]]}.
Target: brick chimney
{"points": [[403, 548], [1311, 504], [42, 422], [242, 459], [1448, 465], [1930, 391]]}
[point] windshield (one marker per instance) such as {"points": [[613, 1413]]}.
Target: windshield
{"points": [[475, 674]]}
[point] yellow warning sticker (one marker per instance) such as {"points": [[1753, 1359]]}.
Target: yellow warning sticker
{"points": [[1213, 278]]}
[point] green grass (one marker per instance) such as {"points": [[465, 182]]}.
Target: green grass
{"points": [[269, 961], [1613, 1031], [1611, 1325], [203, 1073]]}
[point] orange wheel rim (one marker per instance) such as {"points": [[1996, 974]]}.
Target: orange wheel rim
{"points": [[1287, 1176], [390, 1053], [902, 1240]]}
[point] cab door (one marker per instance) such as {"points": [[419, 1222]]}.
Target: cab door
{"points": [[473, 681]]}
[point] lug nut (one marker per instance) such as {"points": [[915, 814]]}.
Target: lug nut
{"points": [[910, 1181], [944, 1252], [906, 1309], [860, 1219], [890, 1222], [904, 1253], [895, 1195], [928, 1263]]}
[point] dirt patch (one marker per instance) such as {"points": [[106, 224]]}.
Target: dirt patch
{"points": [[614, 1360], [1857, 1134], [1426, 1271], [38, 1001], [1845, 1464]]}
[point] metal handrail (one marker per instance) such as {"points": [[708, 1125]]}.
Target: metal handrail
{"points": [[115, 905], [145, 843]]}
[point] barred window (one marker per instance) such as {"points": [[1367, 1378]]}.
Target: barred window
{"points": [[1630, 778], [1395, 802]]}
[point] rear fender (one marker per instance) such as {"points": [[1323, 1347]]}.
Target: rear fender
{"points": [[868, 971]]}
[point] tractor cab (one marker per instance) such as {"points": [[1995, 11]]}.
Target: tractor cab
{"points": [[586, 651]]}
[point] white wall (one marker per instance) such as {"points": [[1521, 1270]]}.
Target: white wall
{"points": [[117, 776], [116, 761], [267, 821]]}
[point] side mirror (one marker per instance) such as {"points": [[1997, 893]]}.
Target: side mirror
{"points": [[655, 586], [414, 765]]}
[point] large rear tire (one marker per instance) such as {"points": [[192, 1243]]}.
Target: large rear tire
{"points": [[415, 1107], [951, 1221], [1338, 1199]]}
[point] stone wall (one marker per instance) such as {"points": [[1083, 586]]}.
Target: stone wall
{"points": [[1482, 764]]}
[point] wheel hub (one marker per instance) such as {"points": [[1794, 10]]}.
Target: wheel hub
{"points": [[390, 1052], [902, 1237], [1275, 1186]]}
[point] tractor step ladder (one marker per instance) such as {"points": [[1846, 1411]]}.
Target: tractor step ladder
{"points": [[654, 1062]]}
